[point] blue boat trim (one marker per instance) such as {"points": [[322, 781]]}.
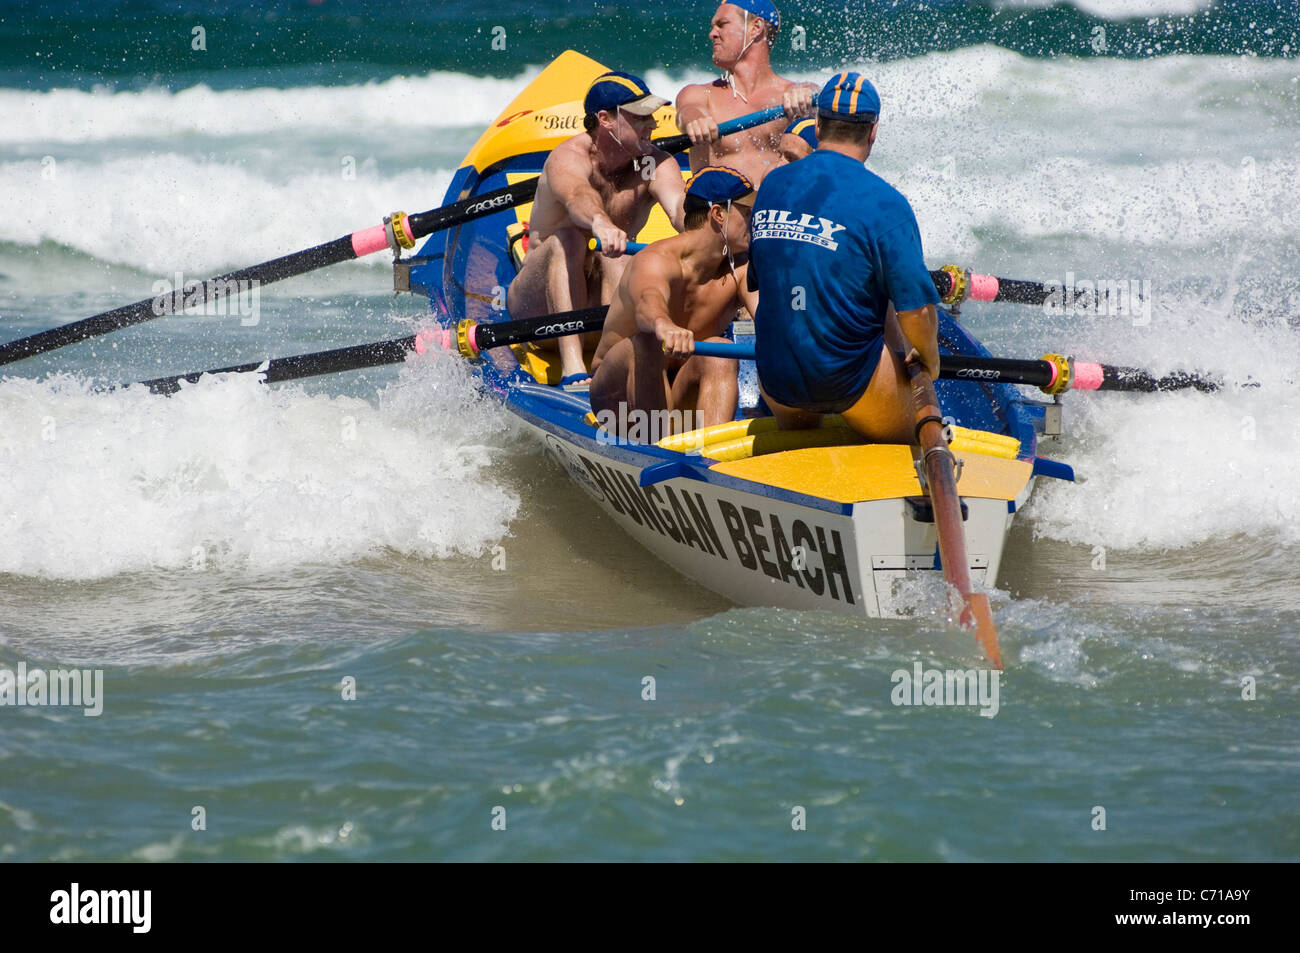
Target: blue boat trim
{"points": [[1054, 469]]}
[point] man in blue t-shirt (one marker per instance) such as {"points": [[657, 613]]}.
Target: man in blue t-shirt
{"points": [[834, 250]]}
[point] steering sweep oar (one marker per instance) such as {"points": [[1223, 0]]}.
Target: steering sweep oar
{"points": [[398, 231], [940, 484]]}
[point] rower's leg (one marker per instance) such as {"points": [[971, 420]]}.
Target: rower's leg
{"points": [[612, 384], [553, 279], [883, 413], [618, 387], [571, 275], [649, 384], [707, 386]]}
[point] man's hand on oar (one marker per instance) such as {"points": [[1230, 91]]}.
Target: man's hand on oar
{"points": [[399, 231]]}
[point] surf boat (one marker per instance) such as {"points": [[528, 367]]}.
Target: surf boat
{"points": [[811, 519]]}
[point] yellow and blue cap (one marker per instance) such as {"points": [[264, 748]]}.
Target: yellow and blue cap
{"points": [[718, 184], [849, 97], [805, 129], [760, 8], [615, 90]]}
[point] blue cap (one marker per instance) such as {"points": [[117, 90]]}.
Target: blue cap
{"points": [[615, 90], [805, 129], [849, 97], [717, 183], [760, 8]]}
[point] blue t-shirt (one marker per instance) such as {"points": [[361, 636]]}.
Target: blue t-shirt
{"points": [[831, 244]]}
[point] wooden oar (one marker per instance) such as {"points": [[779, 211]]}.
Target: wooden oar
{"points": [[398, 231], [941, 486]]}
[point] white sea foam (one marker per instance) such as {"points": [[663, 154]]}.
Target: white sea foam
{"points": [[1121, 9], [407, 104], [168, 212], [230, 474], [979, 139]]}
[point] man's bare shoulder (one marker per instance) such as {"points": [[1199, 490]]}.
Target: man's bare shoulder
{"points": [[658, 264], [571, 154], [697, 93]]}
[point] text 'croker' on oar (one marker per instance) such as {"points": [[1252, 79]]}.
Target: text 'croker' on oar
{"points": [[398, 231]]}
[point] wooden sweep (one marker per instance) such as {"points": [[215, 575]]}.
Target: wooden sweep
{"points": [[942, 488]]}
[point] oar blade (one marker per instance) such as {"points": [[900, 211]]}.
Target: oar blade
{"points": [[978, 614]]}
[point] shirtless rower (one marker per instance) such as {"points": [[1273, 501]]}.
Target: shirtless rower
{"points": [[601, 183], [678, 291], [743, 32]]}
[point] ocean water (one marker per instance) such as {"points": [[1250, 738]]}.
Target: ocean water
{"points": [[362, 617]]}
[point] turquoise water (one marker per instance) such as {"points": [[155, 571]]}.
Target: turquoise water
{"points": [[232, 556]]}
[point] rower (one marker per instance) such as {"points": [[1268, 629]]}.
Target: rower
{"points": [[799, 139], [602, 183], [678, 291], [834, 250], [743, 33]]}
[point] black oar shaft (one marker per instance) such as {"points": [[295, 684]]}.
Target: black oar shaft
{"points": [[995, 369], [1084, 375], [987, 288], [192, 294], [466, 210], [303, 365], [535, 329], [392, 352]]}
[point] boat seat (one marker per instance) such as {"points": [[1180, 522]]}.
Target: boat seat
{"points": [[757, 436]]}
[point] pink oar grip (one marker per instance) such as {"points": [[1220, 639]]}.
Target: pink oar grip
{"points": [[983, 287], [1088, 376], [369, 240], [440, 338]]}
